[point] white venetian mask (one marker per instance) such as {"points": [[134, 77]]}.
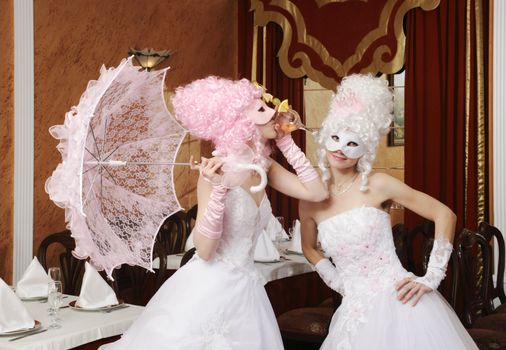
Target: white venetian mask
{"points": [[347, 142]]}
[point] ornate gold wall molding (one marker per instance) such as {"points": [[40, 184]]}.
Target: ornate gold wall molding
{"points": [[322, 3], [380, 49]]}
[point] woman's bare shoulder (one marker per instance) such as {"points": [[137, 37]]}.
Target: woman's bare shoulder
{"points": [[380, 180]]}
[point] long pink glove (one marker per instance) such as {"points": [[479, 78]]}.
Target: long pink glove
{"points": [[297, 159], [211, 224]]}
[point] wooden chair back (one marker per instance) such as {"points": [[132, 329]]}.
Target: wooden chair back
{"points": [[190, 218], [136, 285], [421, 239], [187, 256], [400, 236], [171, 235], [495, 291], [418, 240], [72, 268], [474, 255]]}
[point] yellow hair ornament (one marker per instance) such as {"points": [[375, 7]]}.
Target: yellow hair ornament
{"points": [[283, 106], [268, 98]]}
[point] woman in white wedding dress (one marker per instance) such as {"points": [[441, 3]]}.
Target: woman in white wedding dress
{"points": [[384, 307], [217, 300]]}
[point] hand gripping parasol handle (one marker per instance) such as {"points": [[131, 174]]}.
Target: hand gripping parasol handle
{"points": [[260, 171]]}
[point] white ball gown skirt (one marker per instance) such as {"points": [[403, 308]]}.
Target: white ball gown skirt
{"points": [[371, 317], [205, 305], [390, 325]]}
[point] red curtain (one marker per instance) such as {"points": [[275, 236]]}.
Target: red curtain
{"points": [[278, 84], [441, 113]]}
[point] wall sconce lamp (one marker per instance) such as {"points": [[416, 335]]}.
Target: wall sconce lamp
{"points": [[149, 58]]}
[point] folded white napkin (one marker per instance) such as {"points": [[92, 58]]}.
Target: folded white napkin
{"points": [[95, 292], [265, 251], [34, 282], [296, 242], [274, 228], [14, 315]]}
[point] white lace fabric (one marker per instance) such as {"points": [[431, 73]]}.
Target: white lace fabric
{"points": [[114, 212], [438, 263], [242, 225], [234, 311], [215, 333], [361, 246]]}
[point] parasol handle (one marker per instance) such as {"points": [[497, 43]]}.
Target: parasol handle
{"points": [[260, 171], [114, 163], [254, 167], [106, 162]]}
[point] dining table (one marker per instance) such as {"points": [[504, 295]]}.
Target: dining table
{"points": [[289, 264], [291, 281], [78, 327]]}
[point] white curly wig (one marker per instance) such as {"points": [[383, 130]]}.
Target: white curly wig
{"points": [[362, 104]]}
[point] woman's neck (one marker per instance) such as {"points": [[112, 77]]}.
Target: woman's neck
{"points": [[342, 175]]}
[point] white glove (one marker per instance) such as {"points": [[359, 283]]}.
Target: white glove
{"points": [[438, 262], [330, 275]]}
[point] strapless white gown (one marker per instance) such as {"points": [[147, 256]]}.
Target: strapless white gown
{"points": [[219, 304], [360, 243]]}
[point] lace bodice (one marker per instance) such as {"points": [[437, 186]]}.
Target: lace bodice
{"points": [[360, 243], [242, 224]]}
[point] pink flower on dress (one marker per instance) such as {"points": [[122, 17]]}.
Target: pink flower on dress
{"points": [[382, 259], [365, 268], [342, 250], [357, 311], [366, 248]]}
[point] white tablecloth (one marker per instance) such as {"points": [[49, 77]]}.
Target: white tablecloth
{"points": [[290, 265], [78, 327]]}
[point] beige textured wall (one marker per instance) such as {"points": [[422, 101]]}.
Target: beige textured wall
{"points": [[6, 137], [389, 159], [74, 38]]}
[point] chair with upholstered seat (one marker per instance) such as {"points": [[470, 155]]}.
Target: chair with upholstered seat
{"points": [[187, 256], [72, 268], [172, 234], [136, 285], [488, 339], [495, 291], [306, 327], [400, 237], [420, 241], [476, 262], [190, 218]]}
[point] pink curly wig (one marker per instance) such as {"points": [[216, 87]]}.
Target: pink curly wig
{"points": [[212, 109]]}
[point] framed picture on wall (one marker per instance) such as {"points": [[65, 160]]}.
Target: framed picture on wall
{"points": [[396, 135]]}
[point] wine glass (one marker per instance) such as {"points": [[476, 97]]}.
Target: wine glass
{"points": [[291, 230], [279, 238], [54, 274], [54, 299], [290, 121]]}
